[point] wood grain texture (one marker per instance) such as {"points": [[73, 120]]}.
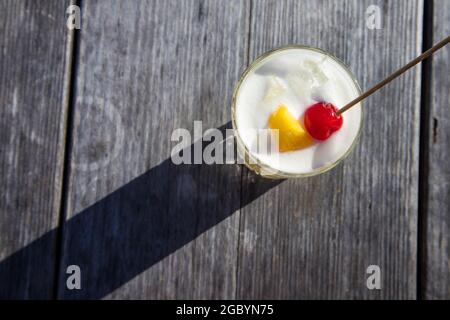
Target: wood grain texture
{"points": [[138, 226], [437, 218], [314, 238], [34, 45]]}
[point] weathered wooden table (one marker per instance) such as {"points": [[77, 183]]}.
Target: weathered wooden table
{"points": [[86, 176]]}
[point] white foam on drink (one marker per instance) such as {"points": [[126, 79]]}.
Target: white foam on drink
{"points": [[297, 78]]}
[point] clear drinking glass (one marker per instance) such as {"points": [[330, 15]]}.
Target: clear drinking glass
{"points": [[252, 162]]}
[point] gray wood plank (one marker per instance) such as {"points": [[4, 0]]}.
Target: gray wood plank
{"points": [[314, 238], [138, 226], [34, 61], [436, 281]]}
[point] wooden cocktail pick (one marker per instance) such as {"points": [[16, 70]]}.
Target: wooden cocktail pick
{"points": [[420, 58]]}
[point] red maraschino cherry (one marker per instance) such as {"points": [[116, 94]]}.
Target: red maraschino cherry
{"points": [[321, 120]]}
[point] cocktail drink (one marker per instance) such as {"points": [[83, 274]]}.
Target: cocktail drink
{"points": [[277, 101]]}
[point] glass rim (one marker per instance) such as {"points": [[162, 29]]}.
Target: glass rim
{"points": [[258, 163]]}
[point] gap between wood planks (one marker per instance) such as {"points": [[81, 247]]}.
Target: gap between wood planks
{"points": [[69, 103], [424, 135]]}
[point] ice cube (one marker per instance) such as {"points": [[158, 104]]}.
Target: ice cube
{"points": [[301, 82], [275, 89], [301, 77], [317, 73], [324, 92]]}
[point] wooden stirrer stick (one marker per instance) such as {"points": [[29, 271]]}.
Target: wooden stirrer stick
{"points": [[423, 56]]}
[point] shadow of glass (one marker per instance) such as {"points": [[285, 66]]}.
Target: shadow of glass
{"points": [[133, 228]]}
